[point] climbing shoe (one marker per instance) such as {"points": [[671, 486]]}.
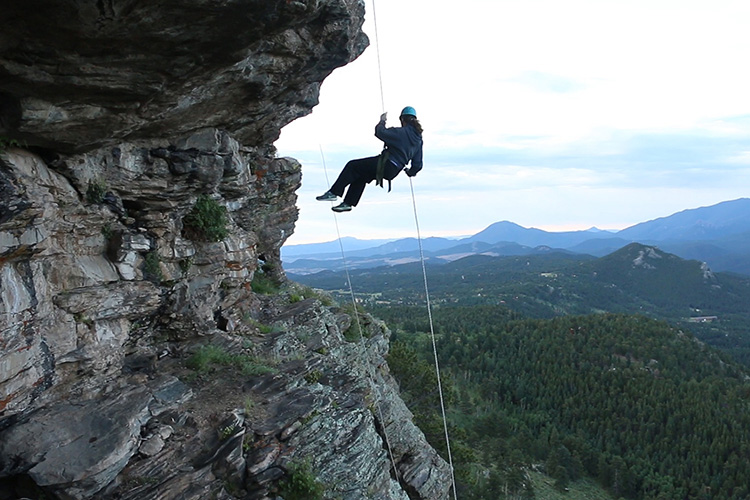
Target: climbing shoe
{"points": [[344, 207], [327, 196]]}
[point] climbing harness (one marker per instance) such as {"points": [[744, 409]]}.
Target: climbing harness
{"points": [[380, 171]]}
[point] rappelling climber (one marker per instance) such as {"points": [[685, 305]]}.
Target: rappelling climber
{"points": [[402, 145]]}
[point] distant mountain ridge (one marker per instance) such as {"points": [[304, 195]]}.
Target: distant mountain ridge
{"points": [[698, 224], [532, 237], [718, 235], [636, 279]]}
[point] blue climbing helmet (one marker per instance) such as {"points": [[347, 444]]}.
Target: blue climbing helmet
{"points": [[409, 111]]}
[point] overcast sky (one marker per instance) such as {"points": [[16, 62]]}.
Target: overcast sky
{"points": [[559, 115]]}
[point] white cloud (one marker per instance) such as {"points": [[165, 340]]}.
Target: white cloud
{"points": [[547, 113], [743, 158]]}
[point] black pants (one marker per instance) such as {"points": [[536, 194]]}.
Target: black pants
{"points": [[358, 173]]}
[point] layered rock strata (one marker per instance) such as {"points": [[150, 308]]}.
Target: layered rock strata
{"points": [[78, 74], [150, 346]]}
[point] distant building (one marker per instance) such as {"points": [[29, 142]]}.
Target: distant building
{"points": [[703, 319]]}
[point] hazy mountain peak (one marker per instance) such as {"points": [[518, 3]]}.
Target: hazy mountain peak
{"points": [[718, 234], [720, 220]]}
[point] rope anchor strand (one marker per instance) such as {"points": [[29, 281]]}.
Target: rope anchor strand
{"points": [[363, 349], [427, 293], [432, 336]]}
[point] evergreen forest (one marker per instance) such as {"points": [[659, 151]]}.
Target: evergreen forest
{"points": [[641, 407], [571, 377], [662, 286]]}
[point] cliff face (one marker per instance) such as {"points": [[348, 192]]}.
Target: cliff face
{"points": [[141, 354]]}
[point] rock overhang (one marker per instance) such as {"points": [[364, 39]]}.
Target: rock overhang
{"points": [[75, 76]]}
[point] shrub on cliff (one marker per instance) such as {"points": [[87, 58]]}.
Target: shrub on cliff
{"points": [[207, 221], [301, 484]]}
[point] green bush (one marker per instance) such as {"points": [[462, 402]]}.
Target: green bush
{"points": [[209, 357], [7, 142], [107, 231], [300, 483], [152, 268], [186, 264], [207, 220], [357, 329], [323, 297], [96, 191], [226, 432], [262, 328], [264, 284], [313, 377], [299, 293]]}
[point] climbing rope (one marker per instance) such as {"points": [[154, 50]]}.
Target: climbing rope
{"points": [[432, 335], [424, 270], [377, 52], [427, 293], [363, 350]]}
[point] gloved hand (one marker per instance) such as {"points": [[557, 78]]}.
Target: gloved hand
{"points": [[410, 172], [384, 116]]}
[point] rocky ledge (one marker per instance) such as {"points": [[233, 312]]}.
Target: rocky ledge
{"points": [[150, 344], [236, 415]]}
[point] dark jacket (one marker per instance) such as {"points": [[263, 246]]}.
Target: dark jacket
{"points": [[404, 145]]}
